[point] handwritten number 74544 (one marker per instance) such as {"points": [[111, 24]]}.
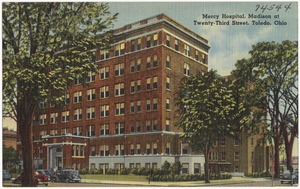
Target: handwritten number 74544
{"points": [[274, 7]]}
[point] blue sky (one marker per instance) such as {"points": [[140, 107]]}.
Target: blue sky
{"points": [[228, 43]]}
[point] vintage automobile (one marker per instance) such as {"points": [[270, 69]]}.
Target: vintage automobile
{"points": [[38, 177], [287, 178], [68, 175], [6, 175]]}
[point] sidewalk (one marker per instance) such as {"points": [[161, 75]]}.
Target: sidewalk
{"points": [[179, 184]]}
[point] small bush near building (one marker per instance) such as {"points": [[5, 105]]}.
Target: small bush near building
{"points": [[257, 175], [187, 177]]}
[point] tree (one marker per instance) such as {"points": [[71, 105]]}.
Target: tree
{"points": [[46, 47], [272, 72], [10, 158], [208, 109]]}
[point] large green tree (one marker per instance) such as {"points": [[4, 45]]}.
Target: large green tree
{"points": [[208, 108], [10, 158], [272, 71], [46, 46]]}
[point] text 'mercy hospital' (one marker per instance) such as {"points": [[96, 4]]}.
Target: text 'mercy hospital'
{"points": [[234, 16]]}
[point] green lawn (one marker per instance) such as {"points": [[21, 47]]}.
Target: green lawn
{"points": [[114, 177]]}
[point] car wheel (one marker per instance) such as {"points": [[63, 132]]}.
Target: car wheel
{"points": [[67, 180]]}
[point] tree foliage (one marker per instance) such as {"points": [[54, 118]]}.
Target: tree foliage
{"points": [[10, 158], [46, 46], [272, 72], [209, 107]]}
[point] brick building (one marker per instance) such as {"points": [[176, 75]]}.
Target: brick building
{"points": [[125, 116]]}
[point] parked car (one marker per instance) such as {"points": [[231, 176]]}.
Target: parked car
{"points": [[38, 177], [19, 178], [68, 175], [6, 175], [286, 177], [50, 174]]}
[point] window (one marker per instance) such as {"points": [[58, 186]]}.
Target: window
{"points": [[132, 86], [67, 98], [139, 44], [120, 49], [132, 45], [104, 92], [132, 66], [168, 40], [185, 148], [155, 104], [148, 125], [90, 113], [204, 61], [77, 131], [43, 119], [132, 106], [132, 150], [168, 83], [155, 85], [77, 97], [155, 37], [138, 65], [104, 73], [43, 104], [132, 129], [154, 124], [104, 150], [104, 129], [187, 50], [148, 148], [138, 126], [138, 106], [104, 54], [186, 69], [139, 86], [148, 62], [168, 61], [53, 118], [119, 69], [91, 94], [93, 153], [223, 156], [91, 77], [196, 168], [77, 114], [148, 83], [120, 150], [155, 61], [119, 128], [138, 148], [168, 106], [91, 131], [148, 105], [65, 116], [78, 81], [185, 168], [104, 110], [154, 145], [252, 156], [168, 148], [236, 156], [252, 141], [196, 55], [148, 44], [119, 89], [120, 108], [168, 126], [176, 45], [65, 131]]}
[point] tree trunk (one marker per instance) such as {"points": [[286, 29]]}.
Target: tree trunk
{"points": [[276, 157], [206, 168], [288, 143], [24, 121]]}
